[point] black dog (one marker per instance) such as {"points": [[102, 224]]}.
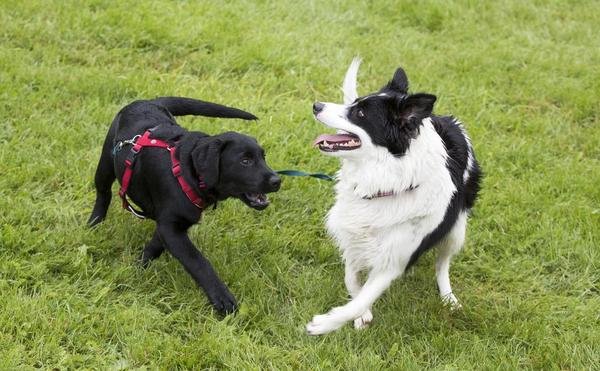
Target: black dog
{"points": [[216, 167]]}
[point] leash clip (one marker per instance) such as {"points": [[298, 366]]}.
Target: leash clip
{"points": [[130, 141]]}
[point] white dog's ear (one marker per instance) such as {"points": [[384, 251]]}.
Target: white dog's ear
{"points": [[350, 93], [414, 108], [398, 83]]}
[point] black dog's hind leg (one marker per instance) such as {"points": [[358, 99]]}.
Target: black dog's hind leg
{"points": [[153, 250], [105, 176], [179, 245]]}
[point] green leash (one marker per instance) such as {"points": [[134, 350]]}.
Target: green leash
{"points": [[302, 173]]}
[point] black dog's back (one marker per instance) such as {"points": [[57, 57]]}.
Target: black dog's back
{"points": [[142, 115]]}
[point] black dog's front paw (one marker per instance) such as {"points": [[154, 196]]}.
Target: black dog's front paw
{"points": [[94, 220], [223, 301]]}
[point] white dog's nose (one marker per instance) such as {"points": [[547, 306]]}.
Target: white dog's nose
{"points": [[318, 107]]}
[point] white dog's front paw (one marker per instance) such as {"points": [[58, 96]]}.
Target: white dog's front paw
{"points": [[451, 301], [322, 324], [363, 321]]}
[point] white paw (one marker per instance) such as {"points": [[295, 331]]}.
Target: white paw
{"points": [[363, 321], [322, 324], [451, 301]]}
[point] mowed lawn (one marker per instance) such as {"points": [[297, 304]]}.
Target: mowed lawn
{"points": [[524, 77]]}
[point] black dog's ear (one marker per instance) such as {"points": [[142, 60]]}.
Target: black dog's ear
{"points": [[206, 158], [398, 83], [414, 108]]}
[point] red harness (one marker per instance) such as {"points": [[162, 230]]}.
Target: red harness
{"points": [[138, 145]]}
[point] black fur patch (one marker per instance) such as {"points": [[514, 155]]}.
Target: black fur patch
{"points": [[391, 119], [463, 199]]}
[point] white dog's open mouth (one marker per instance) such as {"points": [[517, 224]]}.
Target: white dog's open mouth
{"points": [[337, 142]]}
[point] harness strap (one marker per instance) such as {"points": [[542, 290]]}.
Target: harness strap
{"points": [[126, 180], [185, 186], [138, 145]]}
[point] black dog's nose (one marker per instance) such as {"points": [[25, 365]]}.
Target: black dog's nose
{"points": [[318, 107], [275, 182]]}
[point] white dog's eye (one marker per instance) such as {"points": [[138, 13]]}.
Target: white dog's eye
{"points": [[360, 113]]}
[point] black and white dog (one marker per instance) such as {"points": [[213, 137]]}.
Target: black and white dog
{"points": [[407, 182]]}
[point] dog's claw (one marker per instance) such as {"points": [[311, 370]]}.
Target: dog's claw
{"points": [[94, 221], [363, 321], [224, 302], [451, 301]]}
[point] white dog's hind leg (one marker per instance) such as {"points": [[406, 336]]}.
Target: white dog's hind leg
{"points": [[451, 244], [376, 284], [353, 285]]}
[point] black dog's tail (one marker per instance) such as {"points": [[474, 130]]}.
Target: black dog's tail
{"points": [[187, 106]]}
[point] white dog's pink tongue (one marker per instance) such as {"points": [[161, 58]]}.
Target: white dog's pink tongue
{"points": [[334, 138]]}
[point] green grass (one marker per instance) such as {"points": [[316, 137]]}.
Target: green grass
{"points": [[523, 76]]}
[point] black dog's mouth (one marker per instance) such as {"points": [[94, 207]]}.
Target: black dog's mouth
{"points": [[258, 201], [337, 142]]}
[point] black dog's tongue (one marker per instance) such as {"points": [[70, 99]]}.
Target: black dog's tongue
{"points": [[259, 198]]}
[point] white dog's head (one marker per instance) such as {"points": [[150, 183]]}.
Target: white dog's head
{"points": [[389, 118]]}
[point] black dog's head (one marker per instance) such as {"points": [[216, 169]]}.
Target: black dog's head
{"points": [[389, 118], [233, 165]]}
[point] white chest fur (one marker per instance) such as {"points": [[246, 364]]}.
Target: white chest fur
{"points": [[368, 230]]}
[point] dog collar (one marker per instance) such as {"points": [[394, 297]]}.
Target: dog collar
{"points": [[380, 194]]}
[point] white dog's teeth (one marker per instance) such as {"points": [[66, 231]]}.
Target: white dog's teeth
{"points": [[325, 143]]}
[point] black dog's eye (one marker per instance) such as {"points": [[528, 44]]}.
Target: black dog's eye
{"points": [[360, 113], [247, 161]]}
